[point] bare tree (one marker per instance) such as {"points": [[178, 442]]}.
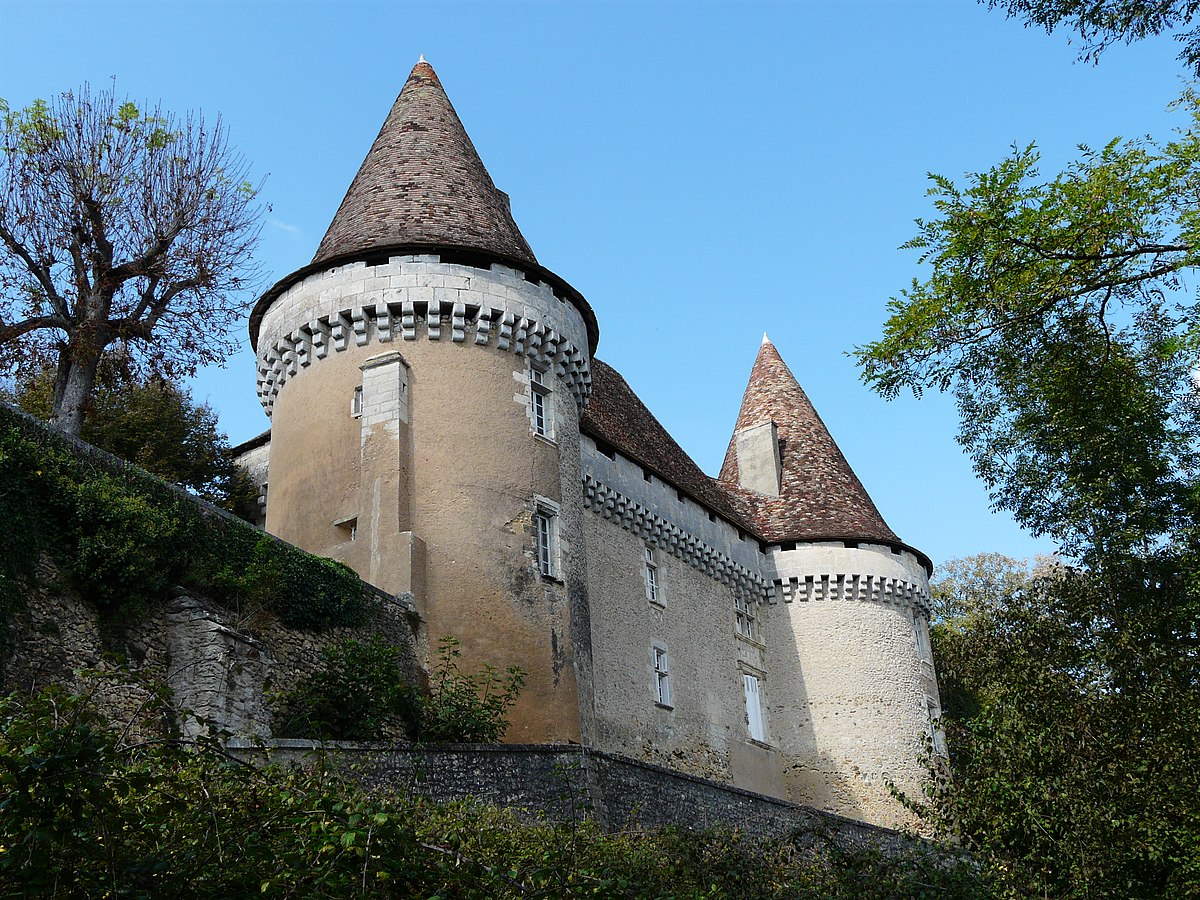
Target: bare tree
{"points": [[119, 228]]}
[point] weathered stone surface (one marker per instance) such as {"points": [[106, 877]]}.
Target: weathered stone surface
{"points": [[222, 668]]}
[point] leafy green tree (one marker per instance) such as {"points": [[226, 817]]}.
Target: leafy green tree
{"points": [[1102, 23], [1055, 312], [1074, 736], [118, 225], [157, 426], [1051, 312]]}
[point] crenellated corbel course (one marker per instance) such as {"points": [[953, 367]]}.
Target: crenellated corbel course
{"points": [[480, 325], [641, 521], [859, 588]]}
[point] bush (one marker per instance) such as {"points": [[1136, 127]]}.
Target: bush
{"points": [[359, 695], [467, 708], [85, 813]]}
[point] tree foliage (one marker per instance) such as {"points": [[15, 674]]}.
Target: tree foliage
{"points": [[1056, 311], [87, 812], [1052, 313], [118, 225], [157, 426], [123, 539], [1074, 728], [1102, 23], [360, 694]]}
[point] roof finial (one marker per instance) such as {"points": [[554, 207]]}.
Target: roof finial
{"points": [[421, 60], [766, 340]]}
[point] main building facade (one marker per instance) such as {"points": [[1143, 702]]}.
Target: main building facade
{"points": [[441, 424]]}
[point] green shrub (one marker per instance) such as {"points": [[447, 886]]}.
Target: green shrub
{"points": [[123, 544], [467, 708], [84, 813], [358, 695]]}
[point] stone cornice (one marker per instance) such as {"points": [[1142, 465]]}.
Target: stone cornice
{"points": [[641, 521], [382, 322]]}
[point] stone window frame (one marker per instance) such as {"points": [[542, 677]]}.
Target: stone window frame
{"points": [[745, 617], [653, 582], [541, 402], [547, 544], [356, 402], [660, 665], [752, 682]]}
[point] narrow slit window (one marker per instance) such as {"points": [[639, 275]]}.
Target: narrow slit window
{"points": [[662, 675], [539, 403], [544, 523], [653, 593], [356, 402], [744, 616]]}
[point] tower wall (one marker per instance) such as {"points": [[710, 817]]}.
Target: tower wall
{"points": [[851, 685], [433, 478]]}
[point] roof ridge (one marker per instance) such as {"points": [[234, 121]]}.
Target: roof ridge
{"points": [[422, 183]]}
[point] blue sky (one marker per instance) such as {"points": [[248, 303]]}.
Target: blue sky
{"points": [[701, 172]]}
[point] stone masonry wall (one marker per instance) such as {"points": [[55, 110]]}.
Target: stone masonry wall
{"points": [[221, 667], [564, 783]]}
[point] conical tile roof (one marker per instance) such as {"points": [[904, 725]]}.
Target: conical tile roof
{"points": [[423, 184], [820, 497]]}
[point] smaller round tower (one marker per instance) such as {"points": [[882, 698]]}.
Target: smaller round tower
{"points": [[425, 378], [851, 688]]}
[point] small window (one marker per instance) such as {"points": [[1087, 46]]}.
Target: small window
{"points": [[754, 716], [356, 402], [653, 594], [662, 675], [540, 403], [348, 528], [544, 523], [744, 616]]}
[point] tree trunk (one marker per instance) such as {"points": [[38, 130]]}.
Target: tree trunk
{"points": [[73, 383]]}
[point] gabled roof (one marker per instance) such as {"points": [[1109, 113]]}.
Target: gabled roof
{"points": [[617, 416], [820, 497], [422, 183]]}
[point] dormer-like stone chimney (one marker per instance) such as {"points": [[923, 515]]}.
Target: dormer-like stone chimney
{"points": [[759, 466]]}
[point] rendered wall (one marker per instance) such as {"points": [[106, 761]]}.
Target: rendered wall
{"points": [[467, 471], [705, 731], [851, 684]]}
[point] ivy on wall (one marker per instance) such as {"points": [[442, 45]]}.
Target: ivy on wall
{"points": [[123, 539]]}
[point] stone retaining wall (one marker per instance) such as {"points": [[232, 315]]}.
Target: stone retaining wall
{"points": [[562, 782]]}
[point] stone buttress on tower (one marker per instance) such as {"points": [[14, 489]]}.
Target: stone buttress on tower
{"points": [[440, 424]]}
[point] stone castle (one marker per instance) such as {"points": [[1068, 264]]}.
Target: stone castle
{"points": [[441, 424]]}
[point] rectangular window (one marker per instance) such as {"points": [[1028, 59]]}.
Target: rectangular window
{"points": [[356, 402], [744, 611], [754, 717], [662, 675], [539, 403], [652, 591], [544, 523]]}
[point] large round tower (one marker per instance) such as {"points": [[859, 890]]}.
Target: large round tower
{"points": [[425, 378], [851, 688]]}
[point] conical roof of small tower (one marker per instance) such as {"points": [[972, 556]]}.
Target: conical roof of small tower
{"points": [[423, 183], [820, 497]]}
